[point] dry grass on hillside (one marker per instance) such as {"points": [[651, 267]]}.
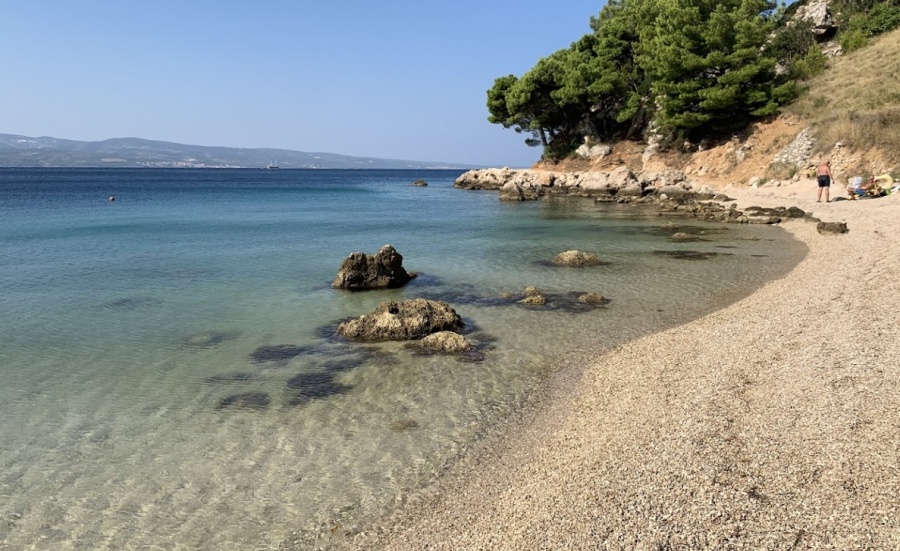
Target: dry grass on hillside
{"points": [[857, 100]]}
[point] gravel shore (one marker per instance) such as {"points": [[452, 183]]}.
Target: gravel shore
{"points": [[771, 424]]}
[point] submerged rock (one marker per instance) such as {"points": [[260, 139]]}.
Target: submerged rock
{"points": [[246, 400], [234, 378], [403, 425], [533, 296], [419, 183], [206, 339], [683, 236], [302, 380], [361, 271], [309, 393], [575, 302], [406, 320], [132, 303], [277, 353], [314, 386], [345, 363], [688, 255]]}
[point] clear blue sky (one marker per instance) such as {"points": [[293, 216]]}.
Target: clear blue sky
{"points": [[396, 79]]}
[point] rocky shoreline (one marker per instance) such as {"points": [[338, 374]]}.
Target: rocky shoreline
{"points": [[768, 424], [619, 185], [668, 191]]}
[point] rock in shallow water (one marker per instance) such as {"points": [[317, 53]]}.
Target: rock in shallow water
{"points": [[446, 342], [684, 236], [246, 400], [575, 259], [574, 301], [688, 255], [302, 380], [361, 271], [277, 353], [132, 303], [450, 343], [407, 320], [591, 298], [207, 339], [313, 386], [239, 377]]}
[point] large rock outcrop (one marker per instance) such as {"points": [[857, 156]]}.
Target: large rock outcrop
{"points": [[619, 185], [597, 151], [361, 271], [818, 14], [406, 320], [488, 178]]}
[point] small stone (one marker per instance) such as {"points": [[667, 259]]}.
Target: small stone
{"points": [[591, 298], [534, 297], [832, 228], [446, 342], [682, 236], [246, 400]]}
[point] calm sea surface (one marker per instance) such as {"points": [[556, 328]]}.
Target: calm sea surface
{"points": [[139, 412]]}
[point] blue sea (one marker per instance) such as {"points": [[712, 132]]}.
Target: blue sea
{"points": [[141, 411]]}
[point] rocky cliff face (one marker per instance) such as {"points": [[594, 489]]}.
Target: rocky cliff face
{"points": [[771, 153], [818, 13]]}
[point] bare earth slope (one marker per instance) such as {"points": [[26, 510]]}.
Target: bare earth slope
{"points": [[771, 424]]}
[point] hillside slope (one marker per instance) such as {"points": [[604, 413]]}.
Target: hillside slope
{"points": [[850, 114]]}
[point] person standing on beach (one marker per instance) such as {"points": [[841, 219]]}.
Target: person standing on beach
{"points": [[824, 177]]}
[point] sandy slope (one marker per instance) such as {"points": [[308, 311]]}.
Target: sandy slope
{"points": [[771, 424]]}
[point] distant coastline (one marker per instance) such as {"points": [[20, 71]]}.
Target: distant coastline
{"points": [[18, 151]]}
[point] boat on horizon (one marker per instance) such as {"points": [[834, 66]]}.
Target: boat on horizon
{"points": [[272, 165]]}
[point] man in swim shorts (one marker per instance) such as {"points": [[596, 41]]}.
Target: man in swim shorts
{"points": [[824, 177]]}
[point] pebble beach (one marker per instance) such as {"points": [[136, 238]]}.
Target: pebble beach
{"points": [[770, 424]]}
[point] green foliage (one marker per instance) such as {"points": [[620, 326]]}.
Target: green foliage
{"points": [[560, 149], [704, 62], [849, 8], [812, 64], [853, 40], [781, 170], [696, 67], [865, 19], [791, 41], [882, 18], [518, 103]]}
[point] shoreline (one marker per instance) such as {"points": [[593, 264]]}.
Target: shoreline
{"points": [[769, 423]]}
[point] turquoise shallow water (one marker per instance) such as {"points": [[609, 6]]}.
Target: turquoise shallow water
{"points": [[127, 334]]}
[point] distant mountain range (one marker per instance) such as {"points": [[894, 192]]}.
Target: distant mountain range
{"points": [[25, 151]]}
